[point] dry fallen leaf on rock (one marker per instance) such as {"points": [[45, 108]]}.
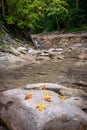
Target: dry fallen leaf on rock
{"points": [[62, 97], [28, 96], [43, 87], [47, 97], [41, 106]]}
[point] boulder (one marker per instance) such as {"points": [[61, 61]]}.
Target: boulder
{"points": [[35, 113]]}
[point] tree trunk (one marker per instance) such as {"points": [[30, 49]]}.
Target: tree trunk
{"points": [[57, 22], [45, 24], [3, 7], [77, 4]]}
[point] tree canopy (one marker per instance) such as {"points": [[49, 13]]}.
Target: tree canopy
{"points": [[45, 15]]}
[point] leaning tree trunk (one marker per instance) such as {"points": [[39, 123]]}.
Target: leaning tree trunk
{"points": [[57, 22]]}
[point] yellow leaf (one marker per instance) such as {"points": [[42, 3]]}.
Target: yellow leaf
{"points": [[41, 106], [28, 96], [62, 97], [47, 94]]}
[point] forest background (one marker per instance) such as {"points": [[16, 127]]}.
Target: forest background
{"points": [[37, 16]]}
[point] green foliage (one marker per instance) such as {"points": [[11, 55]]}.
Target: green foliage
{"points": [[1, 44], [78, 29], [76, 18], [6, 47], [46, 15]]}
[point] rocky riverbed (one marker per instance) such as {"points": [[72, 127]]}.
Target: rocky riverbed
{"points": [[63, 62]]}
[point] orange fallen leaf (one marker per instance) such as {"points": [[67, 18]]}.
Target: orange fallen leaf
{"points": [[41, 106], [29, 96], [62, 97], [43, 87], [47, 97]]}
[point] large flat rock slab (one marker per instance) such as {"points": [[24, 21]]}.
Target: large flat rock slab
{"points": [[49, 86], [22, 113], [67, 91]]}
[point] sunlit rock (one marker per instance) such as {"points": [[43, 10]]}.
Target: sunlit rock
{"points": [[21, 114]]}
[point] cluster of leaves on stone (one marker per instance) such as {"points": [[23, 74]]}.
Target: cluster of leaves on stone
{"points": [[45, 15], [47, 97]]}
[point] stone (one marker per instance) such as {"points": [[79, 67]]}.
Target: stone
{"points": [[66, 43], [56, 53], [44, 54], [38, 52], [61, 57], [56, 56], [42, 57], [72, 48], [3, 58], [82, 56], [45, 51], [21, 49], [21, 114], [48, 86], [15, 52], [67, 91], [33, 51], [56, 50], [51, 49], [80, 83]]}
